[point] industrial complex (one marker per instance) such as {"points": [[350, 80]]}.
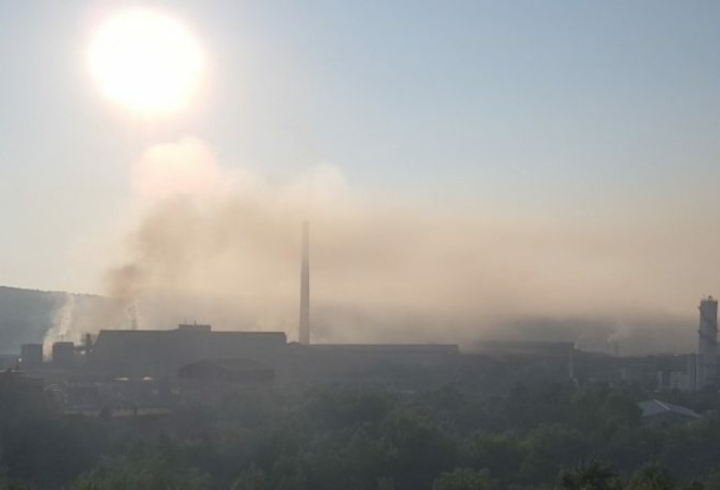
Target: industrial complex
{"points": [[120, 369]]}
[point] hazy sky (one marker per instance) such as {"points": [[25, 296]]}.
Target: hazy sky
{"points": [[579, 110]]}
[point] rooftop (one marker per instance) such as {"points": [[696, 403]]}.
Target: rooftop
{"points": [[651, 408]]}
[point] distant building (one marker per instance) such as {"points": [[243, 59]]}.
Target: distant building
{"points": [[403, 353], [677, 380], [558, 357], [195, 327], [524, 348]]}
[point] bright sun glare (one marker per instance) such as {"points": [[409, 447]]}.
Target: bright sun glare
{"points": [[146, 61]]}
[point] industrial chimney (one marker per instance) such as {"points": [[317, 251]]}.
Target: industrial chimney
{"points": [[707, 343], [304, 330]]}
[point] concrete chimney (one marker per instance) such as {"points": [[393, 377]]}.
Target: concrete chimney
{"points": [[304, 331], [707, 343]]}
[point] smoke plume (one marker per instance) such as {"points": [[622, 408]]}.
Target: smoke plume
{"points": [[222, 246], [62, 323]]}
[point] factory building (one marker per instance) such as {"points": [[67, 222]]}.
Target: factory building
{"points": [[31, 355], [544, 356], [63, 354], [163, 352]]}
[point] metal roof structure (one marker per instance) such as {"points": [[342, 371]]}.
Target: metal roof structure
{"points": [[652, 408]]}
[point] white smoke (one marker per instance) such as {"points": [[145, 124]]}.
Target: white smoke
{"points": [[62, 324]]}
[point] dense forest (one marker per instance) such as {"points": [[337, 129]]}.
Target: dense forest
{"points": [[538, 437]]}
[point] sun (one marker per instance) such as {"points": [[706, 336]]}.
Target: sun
{"points": [[146, 61]]}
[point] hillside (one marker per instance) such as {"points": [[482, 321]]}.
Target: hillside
{"points": [[28, 315]]}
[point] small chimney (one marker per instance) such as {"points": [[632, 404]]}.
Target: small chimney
{"points": [[132, 315], [304, 330]]}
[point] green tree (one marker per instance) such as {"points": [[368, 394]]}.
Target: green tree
{"points": [[589, 476], [501, 454], [420, 450], [651, 477], [15, 485], [464, 479], [385, 484], [252, 479], [142, 473]]}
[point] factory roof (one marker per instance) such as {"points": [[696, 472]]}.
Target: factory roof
{"points": [[166, 350], [143, 336], [389, 347], [651, 408], [524, 347]]}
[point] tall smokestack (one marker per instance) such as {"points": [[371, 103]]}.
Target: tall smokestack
{"points": [[707, 346], [304, 331]]}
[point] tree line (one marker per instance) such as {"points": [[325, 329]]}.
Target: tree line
{"points": [[543, 436]]}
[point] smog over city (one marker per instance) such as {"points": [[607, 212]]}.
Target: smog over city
{"points": [[359, 245]]}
